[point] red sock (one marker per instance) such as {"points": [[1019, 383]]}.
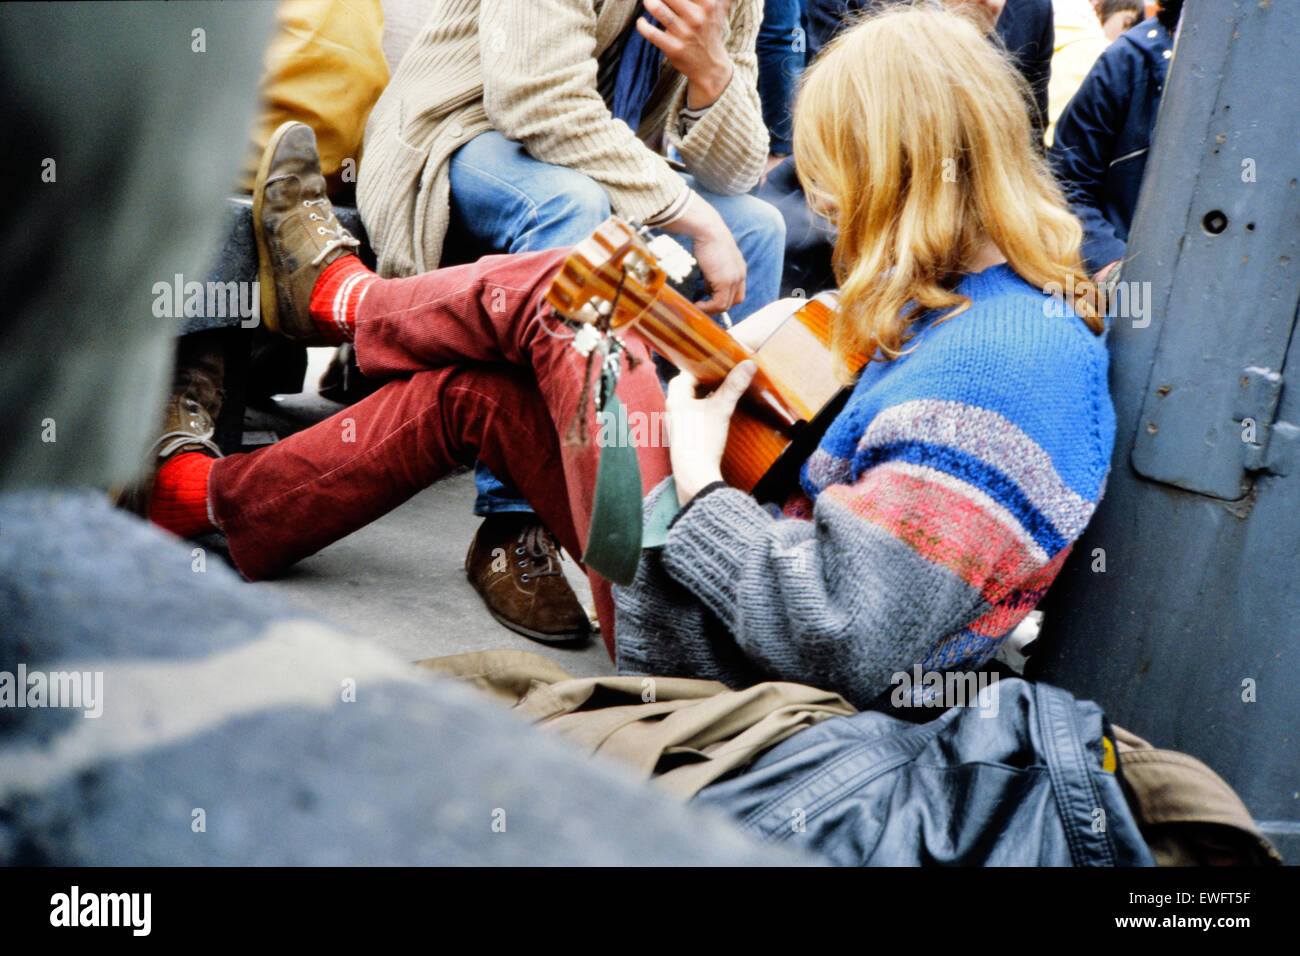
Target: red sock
{"points": [[336, 295], [179, 501]]}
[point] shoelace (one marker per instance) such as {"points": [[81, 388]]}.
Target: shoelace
{"points": [[339, 237], [168, 443], [538, 543]]}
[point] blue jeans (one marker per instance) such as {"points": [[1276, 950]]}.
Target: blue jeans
{"points": [[503, 200]]}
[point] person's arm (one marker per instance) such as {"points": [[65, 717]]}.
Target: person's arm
{"points": [[1039, 73], [754, 330], [714, 248], [726, 148], [539, 89], [1083, 148]]}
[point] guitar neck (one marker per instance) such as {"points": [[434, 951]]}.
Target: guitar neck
{"points": [[611, 274], [693, 342]]}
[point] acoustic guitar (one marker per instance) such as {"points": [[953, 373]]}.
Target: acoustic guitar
{"points": [[612, 279]]}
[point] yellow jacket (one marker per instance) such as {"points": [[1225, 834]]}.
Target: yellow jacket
{"points": [[1079, 41], [324, 66]]}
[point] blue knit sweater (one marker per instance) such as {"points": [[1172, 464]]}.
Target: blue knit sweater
{"points": [[930, 520]]}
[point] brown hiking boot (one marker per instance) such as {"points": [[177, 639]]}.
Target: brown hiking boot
{"points": [[514, 564], [189, 422], [297, 233]]}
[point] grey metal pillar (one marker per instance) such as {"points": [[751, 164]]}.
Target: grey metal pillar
{"points": [[1179, 611]]}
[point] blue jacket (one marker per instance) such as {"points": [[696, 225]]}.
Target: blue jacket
{"points": [[1024, 783], [1102, 138]]}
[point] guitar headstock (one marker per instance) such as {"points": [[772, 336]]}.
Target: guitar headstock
{"points": [[609, 277]]}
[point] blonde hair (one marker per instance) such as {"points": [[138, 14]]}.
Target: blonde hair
{"points": [[912, 133]]}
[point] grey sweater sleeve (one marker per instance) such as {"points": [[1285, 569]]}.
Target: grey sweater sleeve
{"points": [[836, 602], [737, 595], [662, 629]]}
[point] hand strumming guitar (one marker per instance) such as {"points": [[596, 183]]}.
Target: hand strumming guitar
{"points": [[697, 428]]}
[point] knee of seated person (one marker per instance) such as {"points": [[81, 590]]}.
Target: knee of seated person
{"points": [[758, 224], [771, 224]]}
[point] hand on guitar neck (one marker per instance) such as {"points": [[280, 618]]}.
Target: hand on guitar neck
{"points": [[699, 426]]}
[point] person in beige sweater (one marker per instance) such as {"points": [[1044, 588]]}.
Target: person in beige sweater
{"points": [[543, 75], [518, 126]]}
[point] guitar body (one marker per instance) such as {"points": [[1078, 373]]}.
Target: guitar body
{"points": [[612, 279]]}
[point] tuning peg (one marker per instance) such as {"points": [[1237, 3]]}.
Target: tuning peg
{"points": [[671, 257], [586, 338]]}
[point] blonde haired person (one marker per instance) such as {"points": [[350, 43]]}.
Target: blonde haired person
{"points": [[943, 500]]}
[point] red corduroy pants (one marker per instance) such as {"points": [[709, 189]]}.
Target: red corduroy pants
{"points": [[478, 369]]}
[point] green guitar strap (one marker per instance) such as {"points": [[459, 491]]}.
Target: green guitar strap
{"points": [[661, 516], [614, 538]]}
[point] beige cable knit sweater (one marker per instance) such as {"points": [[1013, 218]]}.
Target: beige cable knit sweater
{"points": [[527, 68]]}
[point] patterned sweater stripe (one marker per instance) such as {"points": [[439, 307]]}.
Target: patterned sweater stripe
{"points": [[992, 437], [977, 473], [944, 526], [992, 508], [979, 641], [1007, 613]]}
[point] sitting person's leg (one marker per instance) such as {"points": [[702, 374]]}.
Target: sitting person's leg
{"points": [[284, 502], [503, 200], [281, 503], [809, 238], [288, 500]]}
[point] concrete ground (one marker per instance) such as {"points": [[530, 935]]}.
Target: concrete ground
{"points": [[401, 580]]}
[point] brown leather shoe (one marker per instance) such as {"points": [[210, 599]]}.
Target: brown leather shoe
{"points": [[514, 564], [297, 233], [189, 422]]}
